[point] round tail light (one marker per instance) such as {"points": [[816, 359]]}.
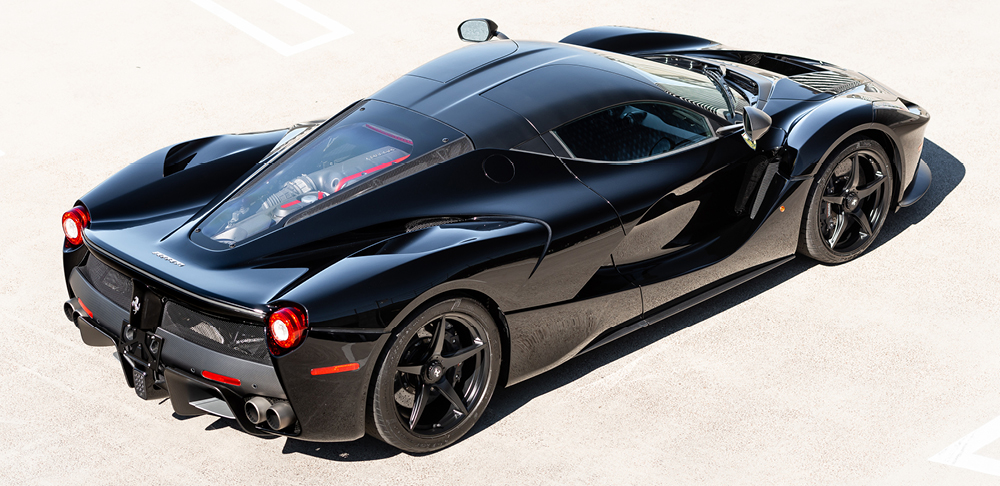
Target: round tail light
{"points": [[73, 223], [286, 328]]}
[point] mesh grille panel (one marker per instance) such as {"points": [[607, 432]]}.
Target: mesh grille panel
{"points": [[234, 339], [108, 281], [826, 81]]}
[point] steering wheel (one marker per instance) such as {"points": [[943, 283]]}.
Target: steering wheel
{"points": [[663, 146]]}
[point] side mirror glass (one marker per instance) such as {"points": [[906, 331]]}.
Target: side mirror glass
{"points": [[477, 30], [755, 123]]}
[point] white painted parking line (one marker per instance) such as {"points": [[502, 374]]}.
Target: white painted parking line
{"points": [[963, 453], [337, 30]]}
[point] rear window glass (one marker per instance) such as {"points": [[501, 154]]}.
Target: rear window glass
{"points": [[327, 168]]}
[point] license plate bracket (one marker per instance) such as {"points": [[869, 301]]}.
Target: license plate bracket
{"points": [[140, 357], [140, 347], [145, 308]]}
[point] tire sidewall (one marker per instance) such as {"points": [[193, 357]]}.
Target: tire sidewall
{"points": [[811, 242], [384, 415]]}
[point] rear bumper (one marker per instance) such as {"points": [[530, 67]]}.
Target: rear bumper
{"points": [[326, 407], [191, 395]]}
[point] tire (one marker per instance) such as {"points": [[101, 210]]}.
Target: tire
{"points": [[848, 203], [445, 359]]}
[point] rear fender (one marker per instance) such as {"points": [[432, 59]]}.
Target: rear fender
{"points": [[178, 178], [355, 302], [376, 288]]}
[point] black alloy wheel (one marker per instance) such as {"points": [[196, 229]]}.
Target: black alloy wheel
{"points": [[437, 377], [848, 204]]}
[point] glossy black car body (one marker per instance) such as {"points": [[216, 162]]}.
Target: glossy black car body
{"points": [[565, 253]]}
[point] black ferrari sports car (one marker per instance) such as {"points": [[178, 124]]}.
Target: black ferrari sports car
{"points": [[482, 219]]}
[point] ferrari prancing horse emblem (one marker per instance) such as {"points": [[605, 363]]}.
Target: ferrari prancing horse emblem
{"points": [[135, 305]]}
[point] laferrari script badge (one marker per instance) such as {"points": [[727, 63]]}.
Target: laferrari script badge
{"points": [[171, 260]]}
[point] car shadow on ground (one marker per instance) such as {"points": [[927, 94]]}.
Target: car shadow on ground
{"points": [[947, 171]]}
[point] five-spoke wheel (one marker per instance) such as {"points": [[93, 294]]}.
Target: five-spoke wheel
{"points": [[438, 375], [848, 204]]}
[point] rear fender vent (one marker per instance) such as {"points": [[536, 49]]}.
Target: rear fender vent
{"points": [[180, 155], [419, 224]]}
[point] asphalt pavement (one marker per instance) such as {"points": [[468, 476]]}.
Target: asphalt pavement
{"points": [[853, 374]]}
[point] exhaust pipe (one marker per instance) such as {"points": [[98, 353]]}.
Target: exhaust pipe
{"points": [[280, 415], [68, 309], [256, 409]]}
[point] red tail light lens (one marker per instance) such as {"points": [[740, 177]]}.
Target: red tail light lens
{"points": [[220, 378], [286, 328], [73, 223]]}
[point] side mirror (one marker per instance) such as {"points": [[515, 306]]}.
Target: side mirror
{"points": [[755, 123], [478, 30]]}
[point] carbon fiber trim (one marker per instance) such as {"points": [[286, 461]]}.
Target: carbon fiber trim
{"points": [[255, 378], [109, 282], [239, 340], [107, 314]]}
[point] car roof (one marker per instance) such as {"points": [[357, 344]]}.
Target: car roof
{"points": [[502, 93]]}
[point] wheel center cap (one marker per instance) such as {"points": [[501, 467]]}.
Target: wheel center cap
{"points": [[434, 372], [851, 201]]}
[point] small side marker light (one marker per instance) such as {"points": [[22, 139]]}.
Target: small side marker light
{"points": [[782, 209], [329, 370]]}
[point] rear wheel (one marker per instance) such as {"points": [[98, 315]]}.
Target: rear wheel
{"points": [[848, 204], [437, 377]]}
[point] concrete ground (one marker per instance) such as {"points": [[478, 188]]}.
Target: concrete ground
{"points": [[854, 374]]}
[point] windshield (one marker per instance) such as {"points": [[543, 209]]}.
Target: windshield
{"points": [[348, 157], [687, 84]]}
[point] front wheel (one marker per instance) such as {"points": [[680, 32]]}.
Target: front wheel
{"points": [[437, 377], [848, 204]]}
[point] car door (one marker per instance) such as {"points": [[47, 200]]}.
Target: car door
{"points": [[685, 196]]}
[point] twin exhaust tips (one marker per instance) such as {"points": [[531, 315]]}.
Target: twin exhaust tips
{"points": [[278, 415]]}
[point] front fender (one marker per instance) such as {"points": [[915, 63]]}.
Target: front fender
{"points": [[821, 130]]}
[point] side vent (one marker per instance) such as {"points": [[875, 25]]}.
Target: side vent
{"points": [[743, 82]]}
